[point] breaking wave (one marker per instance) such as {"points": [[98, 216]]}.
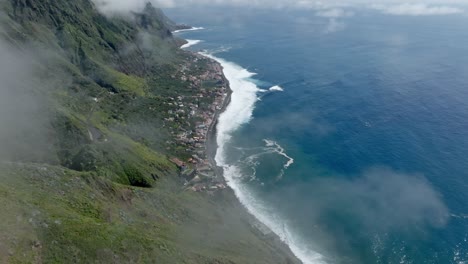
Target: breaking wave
{"points": [[190, 42], [276, 88], [188, 29]]}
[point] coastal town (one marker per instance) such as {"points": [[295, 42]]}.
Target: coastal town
{"points": [[203, 108]]}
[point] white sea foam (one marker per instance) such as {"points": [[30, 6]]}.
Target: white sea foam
{"points": [[276, 88], [190, 42], [280, 150], [188, 29], [275, 147], [462, 216], [238, 113], [271, 147]]}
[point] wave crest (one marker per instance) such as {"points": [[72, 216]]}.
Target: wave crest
{"points": [[188, 29], [190, 42], [276, 88]]}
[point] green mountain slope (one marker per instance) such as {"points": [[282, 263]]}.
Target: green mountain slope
{"points": [[85, 143]]}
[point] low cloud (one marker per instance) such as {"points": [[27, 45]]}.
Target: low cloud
{"points": [[111, 7], [287, 121], [418, 10], [24, 117], [335, 19], [388, 199], [379, 201], [329, 8]]}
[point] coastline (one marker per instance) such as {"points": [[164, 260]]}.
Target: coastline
{"points": [[216, 187], [211, 147], [211, 144], [238, 112]]}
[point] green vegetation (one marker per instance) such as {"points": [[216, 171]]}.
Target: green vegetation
{"points": [[100, 188]]}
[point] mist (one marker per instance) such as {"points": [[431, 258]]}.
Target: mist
{"points": [[25, 127], [379, 201]]}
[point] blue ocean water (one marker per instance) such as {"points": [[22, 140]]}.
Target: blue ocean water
{"points": [[350, 141]]}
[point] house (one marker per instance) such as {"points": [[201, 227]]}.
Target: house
{"points": [[179, 163]]}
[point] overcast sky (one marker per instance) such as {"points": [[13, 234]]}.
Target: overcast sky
{"points": [[393, 7]]}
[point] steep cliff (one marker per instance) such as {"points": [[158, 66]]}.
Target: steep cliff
{"points": [[87, 130]]}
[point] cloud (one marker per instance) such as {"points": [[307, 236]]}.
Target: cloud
{"points": [[334, 25], [389, 199], [24, 116], [287, 121], [335, 13], [324, 8], [407, 9], [110, 7], [379, 201]]}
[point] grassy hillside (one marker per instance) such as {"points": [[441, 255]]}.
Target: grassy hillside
{"points": [[85, 143]]}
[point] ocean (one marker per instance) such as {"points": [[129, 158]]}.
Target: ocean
{"points": [[347, 136]]}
